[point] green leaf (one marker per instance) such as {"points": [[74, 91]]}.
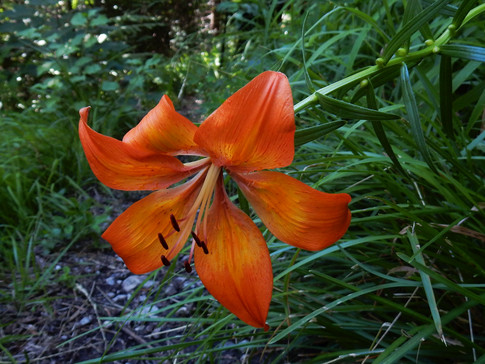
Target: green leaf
{"points": [[379, 78], [19, 12], [352, 111], [413, 7], [429, 87], [30, 33], [379, 130], [408, 29], [464, 51], [462, 11], [478, 109], [413, 116], [448, 10], [416, 335], [368, 19], [451, 286], [446, 101], [469, 98], [410, 11], [227, 7], [99, 20], [476, 142], [465, 72], [92, 68], [428, 289], [425, 29], [79, 19], [306, 135], [82, 61], [351, 296], [109, 86], [308, 80]]}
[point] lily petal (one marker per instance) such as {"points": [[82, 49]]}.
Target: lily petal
{"points": [[165, 131], [134, 234], [294, 212], [254, 128], [121, 166], [237, 271]]}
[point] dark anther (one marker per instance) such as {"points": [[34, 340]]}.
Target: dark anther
{"points": [[162, 241], [204, 247], [174, 223], [187, 266], [165, 261], [196, 238]]}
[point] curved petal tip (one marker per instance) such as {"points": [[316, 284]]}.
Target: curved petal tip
{"points": [[293, 211], [123, 166]]}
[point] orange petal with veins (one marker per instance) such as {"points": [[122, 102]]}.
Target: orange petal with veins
{"points": [[294, 212], [134, 234], [254, 128], [237, 271], [164, 130], [121, 166]]}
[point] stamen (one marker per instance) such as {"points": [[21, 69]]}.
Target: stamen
{"points": [[165, 261], [196, 238], [197, 214], [162, 241], [204, 247], [174, 223]]}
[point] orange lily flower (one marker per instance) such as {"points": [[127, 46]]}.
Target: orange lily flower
{"points": [[253, 130]]}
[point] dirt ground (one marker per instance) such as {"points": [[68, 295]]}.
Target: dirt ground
{"points": [[66, 328], [66, 322]]}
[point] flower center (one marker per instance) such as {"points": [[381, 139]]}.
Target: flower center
{"points": [[197, 214]]}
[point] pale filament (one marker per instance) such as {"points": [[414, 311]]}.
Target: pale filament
{"points": [[198, 163], [201, 204]]}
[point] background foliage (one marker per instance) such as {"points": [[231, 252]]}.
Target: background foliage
{"points": [[406, 284]]}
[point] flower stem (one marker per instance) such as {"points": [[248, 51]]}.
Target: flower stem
{"points": [[369, 71]]}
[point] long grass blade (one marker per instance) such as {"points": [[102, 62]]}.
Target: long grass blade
{"points": [[428, 289], [369, 20], [413, 8], [395, 352], [303, 136], [462, 11], [413, 116], [411, 27], [308, 79], [379, 130], [328, 307], [352, 111], [440, 278], [446, 101], [464, 51]]}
